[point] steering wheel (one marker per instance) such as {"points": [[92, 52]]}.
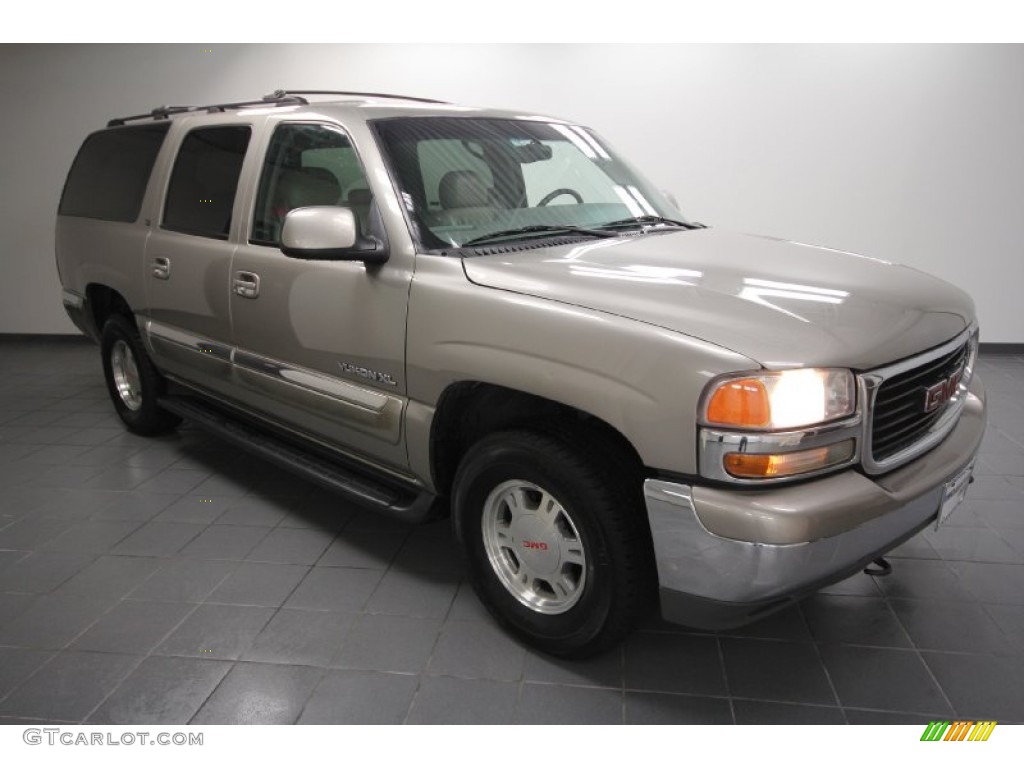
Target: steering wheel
{"points": [[560, 191]]}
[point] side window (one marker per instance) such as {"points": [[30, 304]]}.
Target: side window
{"points": [[202, 189], [109, 176], [307, 165]]}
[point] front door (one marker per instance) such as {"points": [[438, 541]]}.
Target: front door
{"points": [[319, 345]]}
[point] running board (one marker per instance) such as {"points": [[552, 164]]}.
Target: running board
{"points": [[387, 498]]}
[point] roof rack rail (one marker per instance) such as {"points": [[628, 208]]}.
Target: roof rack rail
{"points": [[282, 97], [284, 93], [162, 113]]}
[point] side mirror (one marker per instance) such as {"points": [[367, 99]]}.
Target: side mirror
{"points": [[328, 233]]}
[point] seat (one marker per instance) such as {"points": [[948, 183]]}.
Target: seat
{"points": [[299, 188], [359, 199], [465, 200], [463, 189]]}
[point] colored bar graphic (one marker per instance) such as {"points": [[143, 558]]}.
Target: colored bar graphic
{"points": [[959, 730], [982, 730]]}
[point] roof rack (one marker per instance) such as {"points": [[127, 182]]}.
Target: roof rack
{"points": [[279, 97], [285, 93], [162, 113]]}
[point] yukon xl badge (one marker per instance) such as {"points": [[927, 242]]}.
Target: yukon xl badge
{"points": [[939, 394], [366, 373]]}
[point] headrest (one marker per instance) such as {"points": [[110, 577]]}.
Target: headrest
{"points": [[359, 197], [309, 186], [463, 189]]}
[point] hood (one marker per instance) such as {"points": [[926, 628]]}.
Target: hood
{"points": [[779, 303]]}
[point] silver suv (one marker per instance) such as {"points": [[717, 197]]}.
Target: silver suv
{"points": [[439, 309]]}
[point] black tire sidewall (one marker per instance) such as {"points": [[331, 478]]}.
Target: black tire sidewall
{"points": [[495, 461], [149, 419]]}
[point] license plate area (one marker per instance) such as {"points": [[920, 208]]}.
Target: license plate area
{"points": [[953, 493]]}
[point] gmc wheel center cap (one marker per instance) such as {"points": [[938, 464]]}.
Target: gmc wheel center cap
{"points": [[536, 545]]}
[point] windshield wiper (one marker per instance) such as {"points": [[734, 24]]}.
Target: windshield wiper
{"points": [[640, 221], [536, 229]]}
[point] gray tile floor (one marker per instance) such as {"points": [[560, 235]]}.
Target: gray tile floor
{"points": [[175, 581]]}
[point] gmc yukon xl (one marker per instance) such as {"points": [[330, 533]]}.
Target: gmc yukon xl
{"points": [[436, 309]]}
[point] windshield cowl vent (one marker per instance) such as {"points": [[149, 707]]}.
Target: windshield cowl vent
{"points": [[529, 245]]}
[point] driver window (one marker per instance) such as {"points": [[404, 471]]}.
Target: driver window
{"points": [[307, 165]]}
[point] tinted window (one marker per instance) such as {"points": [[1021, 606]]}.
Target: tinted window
{"points": [[438, 157], [464, 179], [109, 176], [307, 165], [201, 193]]}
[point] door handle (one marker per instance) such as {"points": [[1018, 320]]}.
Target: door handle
{"points": [[246, 284], [161, 268]]}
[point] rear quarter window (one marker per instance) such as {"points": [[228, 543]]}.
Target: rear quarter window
{"points": [[109, 175]]}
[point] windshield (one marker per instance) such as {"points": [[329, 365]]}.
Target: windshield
{"points": [[464, 179]]}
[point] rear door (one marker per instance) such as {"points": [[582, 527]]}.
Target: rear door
{"points": [[188, 256]]}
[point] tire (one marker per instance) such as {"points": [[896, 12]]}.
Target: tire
{"points": [[132, 381], [556, 541]]}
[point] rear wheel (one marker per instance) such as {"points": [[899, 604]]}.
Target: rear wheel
{"points": [[555, 541], [132, 381]]}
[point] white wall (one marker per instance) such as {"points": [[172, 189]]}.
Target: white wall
{"points": [[909, 153]]}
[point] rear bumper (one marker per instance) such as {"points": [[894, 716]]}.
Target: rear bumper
{"points": [[798, 539], [77, 307]]}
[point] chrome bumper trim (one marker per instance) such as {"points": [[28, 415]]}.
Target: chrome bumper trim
{"points": [[772, 544], [698, 563], [716, 443]]}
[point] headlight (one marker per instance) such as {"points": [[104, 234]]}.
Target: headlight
{"points": [[771, 426], [766, 465], [779, 400]]}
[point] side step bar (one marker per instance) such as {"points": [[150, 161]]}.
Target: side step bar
{"points": [[406, 504]]}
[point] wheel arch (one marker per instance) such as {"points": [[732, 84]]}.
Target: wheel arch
{"points": [[468, 411], [105, 301]]}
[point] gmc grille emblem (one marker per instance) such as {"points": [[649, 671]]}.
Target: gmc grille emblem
{"points": [[940, 393]]}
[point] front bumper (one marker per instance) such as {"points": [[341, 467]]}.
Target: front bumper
{"points": [[727, 557]]}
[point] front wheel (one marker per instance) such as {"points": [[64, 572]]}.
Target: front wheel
{"points": [[132, 381], [555, 542]]}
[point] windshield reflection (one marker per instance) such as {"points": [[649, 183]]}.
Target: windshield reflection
{"points": [[463, 179]]}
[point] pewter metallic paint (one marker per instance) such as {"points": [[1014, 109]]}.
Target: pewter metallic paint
{"points": [[782, 304], [316, 229], [642, 380], [628, 329], [575, 324]]}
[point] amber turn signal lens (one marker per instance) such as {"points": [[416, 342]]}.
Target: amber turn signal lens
{"points": [[762, 465], [741, 403]]}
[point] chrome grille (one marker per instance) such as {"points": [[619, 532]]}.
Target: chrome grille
{"points": [[900, 418]]}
